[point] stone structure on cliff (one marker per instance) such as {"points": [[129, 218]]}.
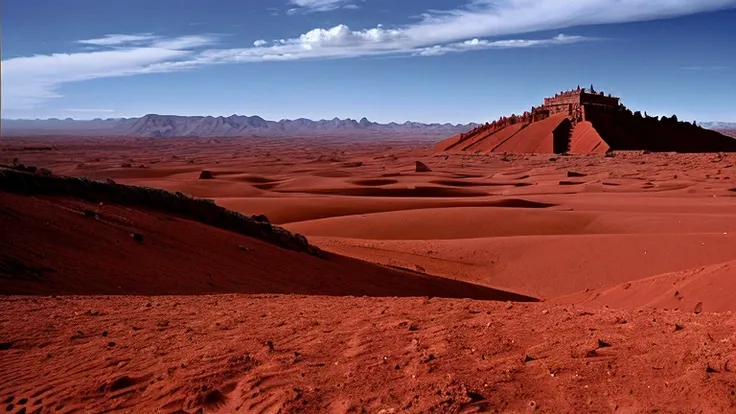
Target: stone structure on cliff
{"points": [[575, 101], [586, 120]]}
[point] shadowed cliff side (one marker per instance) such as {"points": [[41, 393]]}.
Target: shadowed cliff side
{"points": [[625, 131]]}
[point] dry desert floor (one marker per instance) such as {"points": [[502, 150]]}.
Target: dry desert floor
{"points": [[492, 283]]}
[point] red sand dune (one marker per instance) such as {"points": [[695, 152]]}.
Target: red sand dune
{"points": [[75, 254], [713, 287]]}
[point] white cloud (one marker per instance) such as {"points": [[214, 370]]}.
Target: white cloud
{"points": [[341, 42], [119, 39], [311, 6], [184, 42], [484, 18], [481, 44], [29, 81]]}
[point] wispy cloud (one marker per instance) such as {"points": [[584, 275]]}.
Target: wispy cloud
{"points": [[312, 6], [341, 42], [478, 44], [696, 68], [119, 39], [29, 81]]}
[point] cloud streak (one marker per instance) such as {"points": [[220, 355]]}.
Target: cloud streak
{"points": [[119, 39], [30, 81], [313, 6]]}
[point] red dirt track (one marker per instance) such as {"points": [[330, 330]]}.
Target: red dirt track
{"points": [[414, 305]]}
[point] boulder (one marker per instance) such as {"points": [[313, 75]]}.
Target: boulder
{"points": [[421, 167]]}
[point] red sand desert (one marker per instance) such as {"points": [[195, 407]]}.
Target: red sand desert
{"points": [[492, 283]]}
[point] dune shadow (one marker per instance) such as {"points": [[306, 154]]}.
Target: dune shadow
{"points": [[431, 192], [459, 183], [374, 181], [255, 179]]}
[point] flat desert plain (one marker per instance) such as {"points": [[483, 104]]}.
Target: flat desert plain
{"points": [[490, 283]]}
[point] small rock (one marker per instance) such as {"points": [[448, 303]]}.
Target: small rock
{"points": [[421, 167], [698, 308], [111, 344], [571, 174], [603, 344]]}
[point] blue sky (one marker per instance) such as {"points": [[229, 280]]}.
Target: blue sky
{"points": [[388, 60]]}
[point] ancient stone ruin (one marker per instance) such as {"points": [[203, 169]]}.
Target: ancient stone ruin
{"points": [[586, 121]]}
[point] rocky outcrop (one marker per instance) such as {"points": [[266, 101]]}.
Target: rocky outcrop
{"points": [[421, 167]]}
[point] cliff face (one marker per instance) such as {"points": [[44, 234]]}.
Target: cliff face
{"points": [[626, 131]]}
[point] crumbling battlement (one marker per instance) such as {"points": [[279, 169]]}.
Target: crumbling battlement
{"points": [[573, 102]]}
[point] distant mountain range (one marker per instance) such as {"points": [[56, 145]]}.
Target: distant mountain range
{"points": [[162, 126], [232, 126], [718, 125]]}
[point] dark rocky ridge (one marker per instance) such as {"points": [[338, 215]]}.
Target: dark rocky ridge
{"points": [[197, 209]]}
